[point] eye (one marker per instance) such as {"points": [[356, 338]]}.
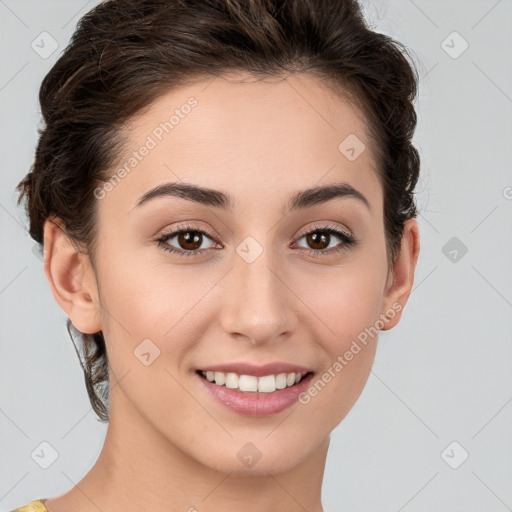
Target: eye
{"points": [[322, 241], [187, 239]]}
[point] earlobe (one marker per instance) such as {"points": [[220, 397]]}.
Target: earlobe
{"points": [[402, 278], [71, 277]]}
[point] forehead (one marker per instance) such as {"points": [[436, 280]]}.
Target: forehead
{"points": [[249, 136]]}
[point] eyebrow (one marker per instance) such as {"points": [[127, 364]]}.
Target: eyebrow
{"points": [[209, 197]]}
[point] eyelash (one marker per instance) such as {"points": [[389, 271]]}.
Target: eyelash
{"points": [[347, 241]]}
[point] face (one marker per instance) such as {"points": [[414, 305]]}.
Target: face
{"points": [[242, 274]]}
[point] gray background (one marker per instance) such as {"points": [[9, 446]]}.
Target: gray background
{"points": [[441, 376]]}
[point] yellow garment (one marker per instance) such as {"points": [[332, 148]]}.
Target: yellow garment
{"points": [[33, 506]]}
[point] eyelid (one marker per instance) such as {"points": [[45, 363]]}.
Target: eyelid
{"points": [[187, 226], [326, 225], [346, 237]]}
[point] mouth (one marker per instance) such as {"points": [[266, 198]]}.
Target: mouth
{"points": [[255, 390], [253, 384]]}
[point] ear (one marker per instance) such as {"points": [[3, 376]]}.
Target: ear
{"points": [[401, 276], [71, 277]]}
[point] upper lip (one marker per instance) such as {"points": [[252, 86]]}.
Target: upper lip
{"points": [[258, 371]]}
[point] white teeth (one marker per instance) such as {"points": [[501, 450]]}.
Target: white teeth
{"points": [[264, 384], [267, 384], [248, 383], [281, 381], [232, 380]]}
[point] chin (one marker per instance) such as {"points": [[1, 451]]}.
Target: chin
{"points": [[258, 458]]}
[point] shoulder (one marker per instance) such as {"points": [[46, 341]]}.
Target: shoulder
{"points": [[33, 506]]}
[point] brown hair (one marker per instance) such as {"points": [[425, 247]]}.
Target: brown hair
{"points": [[125, 53]]}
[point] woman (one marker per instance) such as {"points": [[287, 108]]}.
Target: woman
{"points": [[225, 192]]}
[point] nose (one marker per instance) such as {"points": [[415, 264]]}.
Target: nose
{"points": [[258, 305]]}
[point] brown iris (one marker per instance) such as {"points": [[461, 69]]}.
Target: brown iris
{"points": [[190, 240], [315, 240]]}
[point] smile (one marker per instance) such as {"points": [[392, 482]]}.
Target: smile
{"points": [[248, 383]]}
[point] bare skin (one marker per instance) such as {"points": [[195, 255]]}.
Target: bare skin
{"points": [[169, 445]]}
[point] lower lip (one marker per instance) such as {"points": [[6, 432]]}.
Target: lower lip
{"points": [[253, 403]]}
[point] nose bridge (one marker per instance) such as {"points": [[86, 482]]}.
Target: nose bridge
{"points": [[257, 304]]}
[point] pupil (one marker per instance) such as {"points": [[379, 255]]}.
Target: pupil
{"points": [[186, 239], [315, 239]]}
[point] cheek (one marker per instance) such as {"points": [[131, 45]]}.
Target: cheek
{"points": [[145, 294], [345, 302], [349, 346], [152, 308], [149, 333], [347, 306]]}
